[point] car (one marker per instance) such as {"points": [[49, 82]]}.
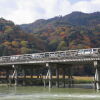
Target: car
{"points": [[91, 51]]}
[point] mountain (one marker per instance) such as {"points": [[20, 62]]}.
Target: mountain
{"points": [[73, 31], [14, 40], [73, 19]]}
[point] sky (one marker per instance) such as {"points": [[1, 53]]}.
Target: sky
{"points": [[28, 11]]}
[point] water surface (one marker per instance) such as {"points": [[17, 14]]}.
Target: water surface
{"points": [[40, 93]]}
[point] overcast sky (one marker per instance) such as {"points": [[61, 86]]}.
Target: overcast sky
{"points": [[27, 11]]}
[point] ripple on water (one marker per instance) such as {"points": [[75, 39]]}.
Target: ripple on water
{"points": [[50, 97]]}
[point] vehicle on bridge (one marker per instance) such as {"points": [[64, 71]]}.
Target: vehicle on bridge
{"points": [[51, 55], [91, 51]]}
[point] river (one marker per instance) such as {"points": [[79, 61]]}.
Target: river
{"points": [[41, 93]]}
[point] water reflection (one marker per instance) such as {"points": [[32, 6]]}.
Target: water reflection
{"points": [[40, 93]]}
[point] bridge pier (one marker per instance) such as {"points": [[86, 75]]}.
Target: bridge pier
{"points": [[7, 76], [44, 81], [50, 77], [15, 74], [57, 76], [63, 77], [97, 75], [50, 74], [70, 79], [24, 77], [8, 79], [31, 70]]}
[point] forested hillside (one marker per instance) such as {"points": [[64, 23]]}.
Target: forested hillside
{"points": [[15, 41], [76, 30], [73, 31], [73, 19]]}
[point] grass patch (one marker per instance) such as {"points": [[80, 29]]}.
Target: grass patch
{"points": [[83, 79]]}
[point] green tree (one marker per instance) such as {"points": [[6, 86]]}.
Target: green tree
{"points": [[24, 43], [53, 44], [15, 44], [25, 50], [62, 46], [8, 29]]}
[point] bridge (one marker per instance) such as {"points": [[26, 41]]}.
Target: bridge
{"points": [[51, 61]]}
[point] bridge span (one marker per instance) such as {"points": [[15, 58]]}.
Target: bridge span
{"points": [[47, 64]]}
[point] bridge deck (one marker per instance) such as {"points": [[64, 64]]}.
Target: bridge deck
{"points": [[68, 56]]}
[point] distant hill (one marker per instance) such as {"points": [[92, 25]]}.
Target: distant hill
{"points": [[73, 31], [73, 19], [76, 30], [14, 40]]}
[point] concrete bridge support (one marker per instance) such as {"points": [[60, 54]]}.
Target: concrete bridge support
{"points": [[70, 78], [50, 77], [57, 76], [24, 76], [97, 75], [15, 74], [64, 69], [31, 71], [44, 81], [7, 75], [50, 74]]}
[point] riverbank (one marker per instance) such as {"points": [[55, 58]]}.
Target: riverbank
{"points": [[83, 79], [39, 81]]}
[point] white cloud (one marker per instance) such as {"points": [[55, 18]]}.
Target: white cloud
{"points": [[87, 6], [27, 11], [7, 6]]}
